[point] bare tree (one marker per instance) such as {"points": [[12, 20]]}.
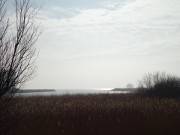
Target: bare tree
{"points": [[17, 45], [17, 53], [129, 85], [160, 84]]}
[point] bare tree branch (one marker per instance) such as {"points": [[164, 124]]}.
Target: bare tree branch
{"points": [[17, 50]]}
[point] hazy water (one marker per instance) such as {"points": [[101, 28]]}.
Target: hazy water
{"points": [[70, 92]]}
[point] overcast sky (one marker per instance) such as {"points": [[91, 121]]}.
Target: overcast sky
{"points": [[106, 43]]}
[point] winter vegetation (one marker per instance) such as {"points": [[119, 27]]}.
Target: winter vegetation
{"points": [[93, 115], [17, 38], [160, 84]]}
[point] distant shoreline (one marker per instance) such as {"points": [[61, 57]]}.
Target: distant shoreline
{"points": [[55, 91], [35, 90], [124, 89]]}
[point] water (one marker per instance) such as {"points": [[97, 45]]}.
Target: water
{"points": [[67, 92]]}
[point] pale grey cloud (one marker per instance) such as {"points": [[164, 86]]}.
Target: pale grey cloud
{"points": [[118, 36]]}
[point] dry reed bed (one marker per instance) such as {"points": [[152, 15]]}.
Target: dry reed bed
{"points": [[95, 114]]}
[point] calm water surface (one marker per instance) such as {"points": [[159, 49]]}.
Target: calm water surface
{"points": [[67, 92]]}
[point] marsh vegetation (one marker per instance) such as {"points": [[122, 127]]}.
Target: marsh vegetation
{"points": [[94, 114]]}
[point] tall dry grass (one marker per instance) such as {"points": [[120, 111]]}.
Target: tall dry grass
{"points": [[103, 114]]}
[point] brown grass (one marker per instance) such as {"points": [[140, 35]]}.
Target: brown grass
{"points": [[103, 114]]}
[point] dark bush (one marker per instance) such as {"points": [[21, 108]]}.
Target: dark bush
{"points": [[160, 84]]}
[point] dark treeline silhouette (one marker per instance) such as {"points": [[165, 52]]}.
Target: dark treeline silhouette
{"points": [[160, 84]]}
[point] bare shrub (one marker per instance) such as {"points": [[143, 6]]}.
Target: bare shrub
{"points": [[160, 84]]}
